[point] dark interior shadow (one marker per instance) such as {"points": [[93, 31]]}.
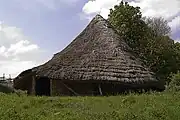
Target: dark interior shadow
{"points": [[42, 87]]}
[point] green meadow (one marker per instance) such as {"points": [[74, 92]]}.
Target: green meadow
{"points": [[147, 106]]}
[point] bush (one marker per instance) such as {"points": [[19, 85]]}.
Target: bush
{"points": [[174, 83], [6, 89]]}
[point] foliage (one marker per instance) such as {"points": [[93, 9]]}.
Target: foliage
{"points": [[127, 20], [174, 84], [148, 37], [158, 25], [175, 79], [154, 106], [160, 56], [177, 55]]}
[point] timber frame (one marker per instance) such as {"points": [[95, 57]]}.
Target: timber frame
{"points": [[86, 88]]}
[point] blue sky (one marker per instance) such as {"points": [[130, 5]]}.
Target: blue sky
{"points": [[51, 28], [31, 31]]}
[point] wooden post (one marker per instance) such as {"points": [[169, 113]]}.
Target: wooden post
{"points": [[100, 90], [51, 87], [33, 85]]}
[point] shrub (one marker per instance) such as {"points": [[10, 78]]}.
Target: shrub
{"points": [[174, 83], [5, 89]]}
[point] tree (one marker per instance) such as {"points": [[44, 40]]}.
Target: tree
{"points": [[158, 25], [129, 24], [160, 57], [174, 83], [176, 48], [148, 37]]}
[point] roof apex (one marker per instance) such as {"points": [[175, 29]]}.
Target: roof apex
{"points": [[98, 17]]}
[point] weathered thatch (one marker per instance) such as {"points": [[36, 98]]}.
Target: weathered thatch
{"points": [[24, 81], [99, 55]]}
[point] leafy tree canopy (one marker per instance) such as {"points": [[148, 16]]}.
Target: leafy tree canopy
{"points": [[148, 37]]}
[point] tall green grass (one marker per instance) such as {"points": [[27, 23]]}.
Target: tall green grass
{"points": [[155, 106]]}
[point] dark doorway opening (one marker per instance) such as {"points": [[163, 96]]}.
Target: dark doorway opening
{"points": [[42, 87]]}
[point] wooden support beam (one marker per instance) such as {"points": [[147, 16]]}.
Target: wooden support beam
{"points": [[100, 90], [33, 92], [70, 89], [51, 87]]}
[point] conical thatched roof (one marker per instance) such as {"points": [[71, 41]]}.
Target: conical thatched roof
{"points": [[97, 54]]}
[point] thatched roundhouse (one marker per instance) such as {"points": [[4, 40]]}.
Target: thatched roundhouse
{"points": [[97, 62]]}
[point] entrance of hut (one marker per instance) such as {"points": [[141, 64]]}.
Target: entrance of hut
{"points": [[42, 87]]}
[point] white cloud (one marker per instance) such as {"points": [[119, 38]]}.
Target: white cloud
{"points": [[164, 8], [175, 24], [177, 40], [99, 6], [156, 8], [15, 67], [17, 53], [169, 9]]}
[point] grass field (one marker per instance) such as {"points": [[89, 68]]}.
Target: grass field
{"points": [[155, 106]]}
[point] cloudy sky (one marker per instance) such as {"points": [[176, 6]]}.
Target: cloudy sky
{"points": [[31, 31]]}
